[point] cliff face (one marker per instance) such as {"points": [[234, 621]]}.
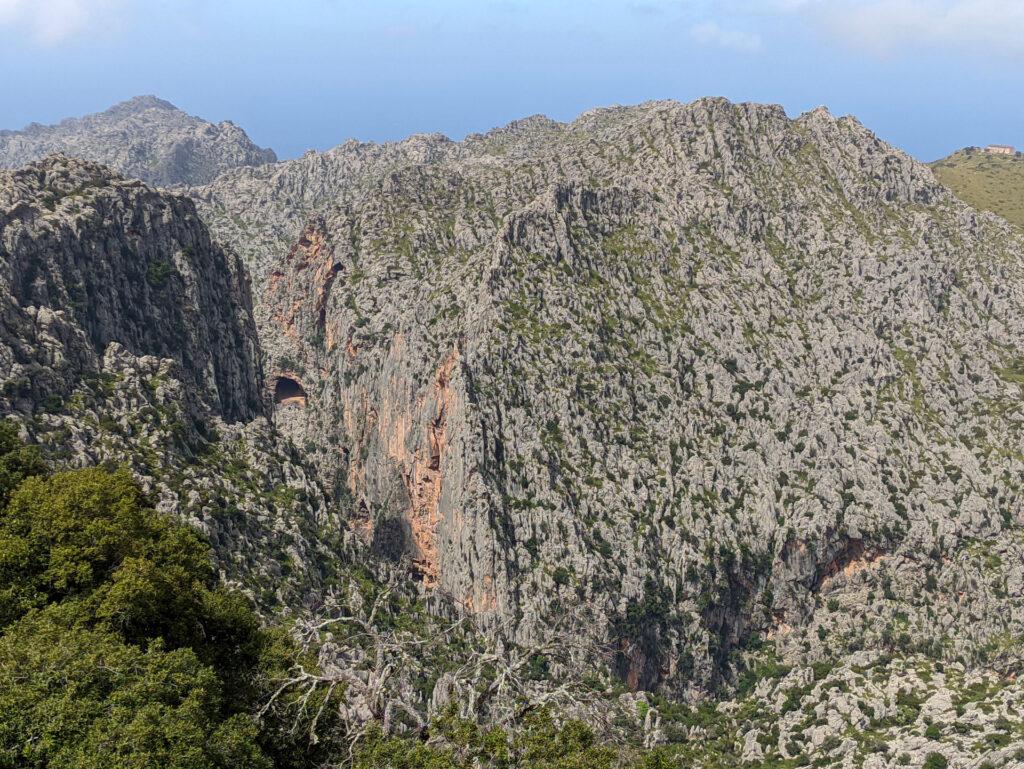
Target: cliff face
{"points": [[127, 336], [708, 370], [144, 138], [90, 259]]}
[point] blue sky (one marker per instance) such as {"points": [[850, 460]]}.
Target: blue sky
{"points": [[927, 75]]}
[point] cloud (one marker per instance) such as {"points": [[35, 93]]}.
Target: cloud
{"points": [[711, 33], [48, 22], [887, 27]]}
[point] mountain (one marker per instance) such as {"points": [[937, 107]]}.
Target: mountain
{"points": [[144, 138], [986, 181], [703, 369], [694, 422], [127, 337]]}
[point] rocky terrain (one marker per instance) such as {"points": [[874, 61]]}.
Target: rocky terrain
{"points": [[700, 422], [986, 181], [127, 337], [870, 711], [143, 138], [703, 368]]}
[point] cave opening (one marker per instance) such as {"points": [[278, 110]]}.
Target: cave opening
{"points": [[288, 390]]}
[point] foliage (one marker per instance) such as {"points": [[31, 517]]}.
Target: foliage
{"points": [[935, 761], [72, 696], [17, 462], [118, 647], [541, 743], [158, 272]]}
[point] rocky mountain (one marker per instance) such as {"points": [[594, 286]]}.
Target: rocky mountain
{"points": [[987, 181], [126, 336], [697, 422], [144, 138], [716, 374]]}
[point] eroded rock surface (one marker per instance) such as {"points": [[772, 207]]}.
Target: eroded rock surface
{"points": [[703, 368], [127, 336], [145, 138]]}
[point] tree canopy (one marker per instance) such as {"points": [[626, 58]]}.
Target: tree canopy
{"points": [[118, 647]]}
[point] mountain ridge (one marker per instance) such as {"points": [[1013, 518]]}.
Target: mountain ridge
{"points": [[697, 420], [445, 232], [144, 137]]}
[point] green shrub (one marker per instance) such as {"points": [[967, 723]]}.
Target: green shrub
{"points": [[540, 744], [79, 698], [17, 461], [157, 273], [117, 646]]}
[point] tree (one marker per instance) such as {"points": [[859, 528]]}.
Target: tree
{"points": [[118, 648], [72, 697], [17, 461]]}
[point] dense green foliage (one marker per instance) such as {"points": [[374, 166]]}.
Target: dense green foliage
{"points": [[540, 743], [17, 462], [118, 649]]}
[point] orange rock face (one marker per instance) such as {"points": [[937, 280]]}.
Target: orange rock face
{"points": [[423, 478], [311, 272], [419, 456]]}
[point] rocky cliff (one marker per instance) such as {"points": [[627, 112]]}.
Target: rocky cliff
{"points": [[144, 138], [126, 336], [713, 372], [727, 400], [91, 259]]}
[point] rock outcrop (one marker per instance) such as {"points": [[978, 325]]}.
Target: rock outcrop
{"points": [[126, 336], [145, 138], [91, 259], [703, 368]]}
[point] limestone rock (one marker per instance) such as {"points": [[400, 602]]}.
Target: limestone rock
{"points": [[145, 138], [704, 368], [127, 337], [90, 259]]}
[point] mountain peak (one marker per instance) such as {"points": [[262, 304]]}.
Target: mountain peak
{"points": [[144, 137], [143, 103]]}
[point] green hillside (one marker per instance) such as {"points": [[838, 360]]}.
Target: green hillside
{"points": [[988, 182]]}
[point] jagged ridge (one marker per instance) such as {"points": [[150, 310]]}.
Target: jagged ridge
{"points": [[145, 138], [701, 367]]}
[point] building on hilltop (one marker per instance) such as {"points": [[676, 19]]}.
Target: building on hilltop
{"points": [[999, 149]]}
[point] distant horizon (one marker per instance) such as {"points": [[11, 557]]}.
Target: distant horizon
{"points": [[928, 76], [459, 138]]}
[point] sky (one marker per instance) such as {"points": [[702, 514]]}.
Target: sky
{"points": [[929, 76]]}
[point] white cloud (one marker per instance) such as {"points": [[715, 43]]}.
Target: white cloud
{"points": [[711, 33], [889, 26], [48, 22]]}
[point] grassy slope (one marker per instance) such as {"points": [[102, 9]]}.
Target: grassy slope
{"points": [[988, 182]]}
